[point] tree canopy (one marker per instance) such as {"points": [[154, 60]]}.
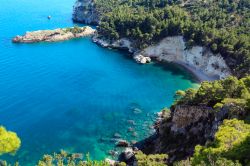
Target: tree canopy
{"points": [[9, 141], [222, 26]]}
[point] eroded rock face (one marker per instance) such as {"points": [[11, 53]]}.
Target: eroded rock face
{"points": [[187, 127], [185, 116], [173, 49], [84, 11], [122, 43]]}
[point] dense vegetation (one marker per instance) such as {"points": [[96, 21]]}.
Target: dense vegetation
{"points": [[231, 145], [232, 142], [223, 26], [75, 30], [63, 158], [77, 159], [221, 93], [9, 141], [151, 160]]}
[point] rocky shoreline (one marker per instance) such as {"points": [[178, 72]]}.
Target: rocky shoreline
{"points": [[200, 61], [55, 35]]}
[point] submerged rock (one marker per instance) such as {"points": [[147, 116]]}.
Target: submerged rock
{"points": [[137, 111], [113, 153], [130, 129], [59, 34], [134, 134], [133, 142], [132, 122], [117, 135]]}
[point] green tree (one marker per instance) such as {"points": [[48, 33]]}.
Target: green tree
{"points": [[9, 141]]}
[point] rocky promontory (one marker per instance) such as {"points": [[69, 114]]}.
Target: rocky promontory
{"points": [[55, 35]]}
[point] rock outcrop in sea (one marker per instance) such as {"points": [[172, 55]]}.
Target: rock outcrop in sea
{"points": [[142, 59], [85, 12], [54, 35]]}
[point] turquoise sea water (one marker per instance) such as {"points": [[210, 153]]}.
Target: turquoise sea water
{"points": [[74, 95]]}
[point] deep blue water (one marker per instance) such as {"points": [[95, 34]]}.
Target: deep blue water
{"points": [[70, 95]]}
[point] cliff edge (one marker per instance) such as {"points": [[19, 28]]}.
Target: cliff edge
{"points": [[84, 11]]}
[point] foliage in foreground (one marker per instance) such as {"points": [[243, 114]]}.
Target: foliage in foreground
{"points": [[219, 161], [9, 141], [232, 142], [65, 159], [231, 145]]}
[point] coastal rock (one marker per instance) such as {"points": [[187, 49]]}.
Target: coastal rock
{"points": [[134, 134], [130, 129], [137, 110], [128, 156], [133, 142], [122, 143], [187, 126], [84, 11], [142, 59], [113, 153], [123, 43], [117, 135], [131, 122], [60, 34]]}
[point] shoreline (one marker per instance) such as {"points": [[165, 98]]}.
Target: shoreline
{"points": [[199, 75]]}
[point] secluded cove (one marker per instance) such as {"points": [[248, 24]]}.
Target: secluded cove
{"points": [[74, 95]]}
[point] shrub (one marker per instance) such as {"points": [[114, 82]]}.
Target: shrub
{"points": [[9, 141]]}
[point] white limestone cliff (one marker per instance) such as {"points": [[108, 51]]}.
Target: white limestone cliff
{"points": [[201, 59]]}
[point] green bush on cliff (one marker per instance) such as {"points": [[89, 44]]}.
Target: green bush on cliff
{"points": [[231, 92], [151, 160], [219, 161], [9, 141], [232, 142], [76, 29]]}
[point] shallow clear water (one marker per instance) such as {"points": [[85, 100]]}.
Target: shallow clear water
{"points": [[74, 95]]}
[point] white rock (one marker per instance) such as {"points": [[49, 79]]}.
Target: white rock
{"points": [[142, 59], [198, 59]]}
